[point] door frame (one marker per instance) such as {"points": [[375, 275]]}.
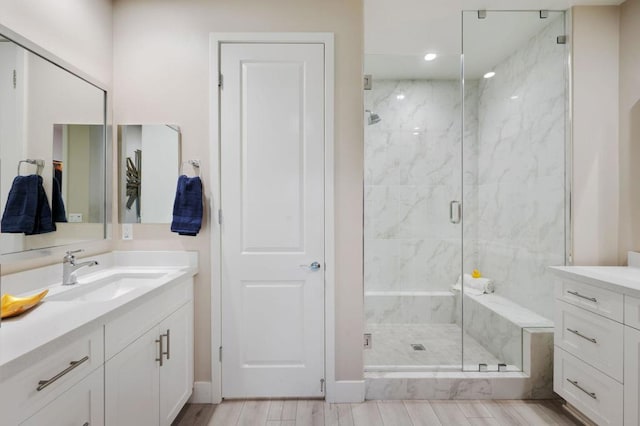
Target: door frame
{"points": [[215, 42]]}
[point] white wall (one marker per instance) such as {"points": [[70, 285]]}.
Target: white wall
{"points": [[77, 31], [629, 156], [596, 197], [161, 70]]}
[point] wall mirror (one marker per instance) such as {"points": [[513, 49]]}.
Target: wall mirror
{"points": [[52, 153], [149, 164]]}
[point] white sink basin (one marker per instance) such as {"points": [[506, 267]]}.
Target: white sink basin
{"points": [[108, 288]]}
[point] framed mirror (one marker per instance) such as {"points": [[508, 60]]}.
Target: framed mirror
{"points": [[149, 164], [52, 153]]}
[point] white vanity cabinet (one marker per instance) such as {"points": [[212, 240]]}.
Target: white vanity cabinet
{"points": [[597, 342], [149, 376], [631, 376], [82, 405], [50, 382]]}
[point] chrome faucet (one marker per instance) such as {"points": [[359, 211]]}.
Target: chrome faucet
{"points": [[69, 267]]}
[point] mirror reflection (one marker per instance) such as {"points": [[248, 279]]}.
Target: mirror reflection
{"points": [[149, 159], [53, 154]]}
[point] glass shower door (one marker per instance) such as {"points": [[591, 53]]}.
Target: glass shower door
{"points": [[513, 180], [412, 236]]}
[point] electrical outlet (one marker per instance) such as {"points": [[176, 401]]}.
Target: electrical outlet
{"points": [[75, 217], [127, 231]]}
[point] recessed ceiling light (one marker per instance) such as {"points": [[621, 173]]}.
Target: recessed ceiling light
{"points": [[416, 128], [400, 96], [489, 74], [430, 56], [515, 97], [416, 133]]}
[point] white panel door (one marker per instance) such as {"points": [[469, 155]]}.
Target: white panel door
{"points": [[272, 197]]}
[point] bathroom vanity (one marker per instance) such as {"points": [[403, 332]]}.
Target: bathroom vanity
{"points": [[115, 349], [597, 341]]}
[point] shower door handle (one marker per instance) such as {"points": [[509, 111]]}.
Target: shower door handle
{"points": [[455, 211]]}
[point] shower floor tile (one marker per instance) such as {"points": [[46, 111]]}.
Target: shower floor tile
{"points": [[392, 348]]}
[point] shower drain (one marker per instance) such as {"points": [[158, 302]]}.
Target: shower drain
{"points": [[417, 347]]}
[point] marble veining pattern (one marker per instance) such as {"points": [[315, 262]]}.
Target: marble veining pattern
{"points": [[412, 172], [519, 203]]}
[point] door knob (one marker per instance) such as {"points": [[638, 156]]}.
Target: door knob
{"points": [[314, 266]]}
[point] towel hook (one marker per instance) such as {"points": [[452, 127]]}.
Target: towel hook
{"points": [[193, 163], [38, 163]]}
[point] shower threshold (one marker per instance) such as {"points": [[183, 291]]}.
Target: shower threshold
{"points": [[386, 381]]}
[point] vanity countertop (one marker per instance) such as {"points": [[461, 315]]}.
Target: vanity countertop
{"points": [[621, 279], [24, 339]]}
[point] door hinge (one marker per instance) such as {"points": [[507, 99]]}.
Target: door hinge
{"points": [[219, 216], [220, 80], [321, 385], [368, 341], [368, 82], [220, 353], [15, 78]]}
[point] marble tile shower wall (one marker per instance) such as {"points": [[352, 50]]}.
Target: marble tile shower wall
{"points": [[514, 189], [412, 172], [520, 203]]}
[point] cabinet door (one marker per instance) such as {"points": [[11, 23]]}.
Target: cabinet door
{"points": [[82, 405], [176, 373], [131, 383], [631, 376]]}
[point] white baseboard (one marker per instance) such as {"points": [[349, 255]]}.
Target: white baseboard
{"points": [[345, 391], [202, 393]]}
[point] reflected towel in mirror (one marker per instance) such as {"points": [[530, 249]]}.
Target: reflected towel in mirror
{"points": [[57, 203], [27, 210], [187, 207]]}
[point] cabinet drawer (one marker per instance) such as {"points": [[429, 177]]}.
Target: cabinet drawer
{"points": [[596, 395], [594, 339], [632, 311], [83, 404], [594, 299], [128, 327], [20, 395]]}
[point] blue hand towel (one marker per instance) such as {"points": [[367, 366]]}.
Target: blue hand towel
{"points": [[27, 210], [187, 207], [57, 203]]}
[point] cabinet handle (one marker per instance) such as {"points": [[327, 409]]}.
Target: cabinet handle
{"points": [[160, 352], [73, 364], [86, 424], [168, 336], [575, 383], [575, 293], [577, 333]]}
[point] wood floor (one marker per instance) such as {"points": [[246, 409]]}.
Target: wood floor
{"points": [[376, 413]]}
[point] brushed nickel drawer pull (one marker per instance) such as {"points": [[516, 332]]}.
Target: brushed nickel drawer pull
{"points": [[73, 364], [577, 333], [160, 352], [575, 383], [575, 293], [168, 351]]}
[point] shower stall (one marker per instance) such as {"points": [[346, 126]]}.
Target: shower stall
{"points": [[467, 197]]}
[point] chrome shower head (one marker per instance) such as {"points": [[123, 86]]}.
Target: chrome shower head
{"points": [[372, 118]]}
